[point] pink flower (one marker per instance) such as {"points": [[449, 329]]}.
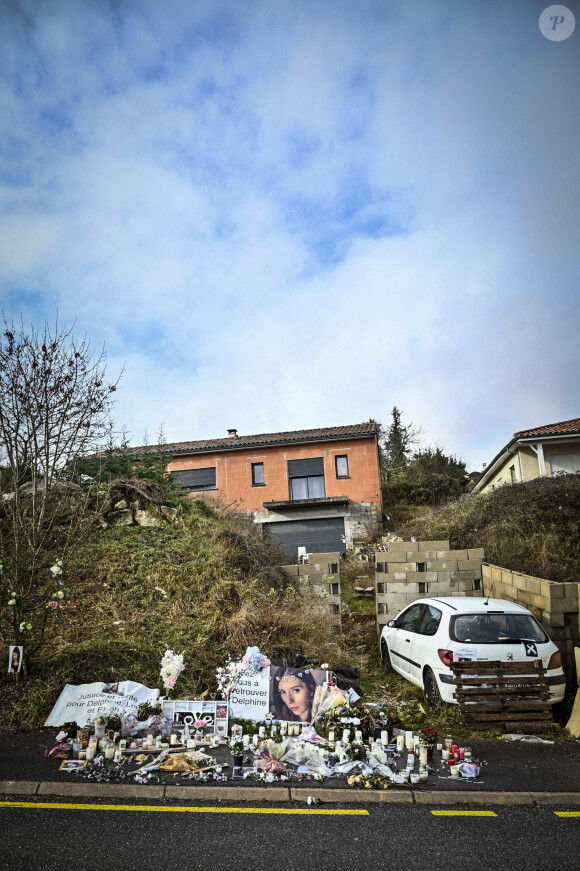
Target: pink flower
{"points": [[200, 724], [324, 666], [245, 660], [169, 682], [265, 662], [52, 604]]}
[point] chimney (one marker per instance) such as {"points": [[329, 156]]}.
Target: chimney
{"points": [[232, 433], [484, 465]]}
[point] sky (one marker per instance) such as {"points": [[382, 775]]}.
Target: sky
{"points": [[293, 214]]}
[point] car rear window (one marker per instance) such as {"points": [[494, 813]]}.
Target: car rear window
{"points": [[496, 628]]}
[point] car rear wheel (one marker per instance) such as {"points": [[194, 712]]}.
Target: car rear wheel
{"points": [[431, 690], [385, 656]]}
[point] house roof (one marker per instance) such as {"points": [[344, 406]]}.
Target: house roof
{"points": [[565, 427], [332, 433], [550, 430]]}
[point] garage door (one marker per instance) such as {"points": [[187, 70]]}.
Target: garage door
{"points": [[317, 536]]}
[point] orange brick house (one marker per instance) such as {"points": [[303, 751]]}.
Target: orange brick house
{"points": [[314, 488]]}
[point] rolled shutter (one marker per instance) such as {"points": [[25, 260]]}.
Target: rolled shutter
{"points": [[306, 468], [196, 479]]}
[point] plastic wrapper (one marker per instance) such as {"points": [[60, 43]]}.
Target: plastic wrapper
{"points": [[268, 756], [155, 725], [468, 769], [307, 758]]}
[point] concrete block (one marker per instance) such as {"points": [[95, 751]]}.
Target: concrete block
{"points": [[570, 590], [552, 620], [533, 585], [421, 577], [434, 545], [524, 598], [468, 565], [495, 573], [399, 556], [486, 570], [455, 554], [443, 577], [552, 589], [475, 553], [401, 567], [441, 565], [471, 575], [539, 602], [398, 546]]}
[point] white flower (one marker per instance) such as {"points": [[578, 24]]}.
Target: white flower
{"points": [[12, 601], [56, 569]]}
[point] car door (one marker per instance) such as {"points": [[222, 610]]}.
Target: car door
{"points": [[401, 637], [424, 644]]}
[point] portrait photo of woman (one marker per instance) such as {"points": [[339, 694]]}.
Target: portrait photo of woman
{"points": [[14, 660], [296, 693]]}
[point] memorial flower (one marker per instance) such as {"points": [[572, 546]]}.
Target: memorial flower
{"points": [[171, 667]]}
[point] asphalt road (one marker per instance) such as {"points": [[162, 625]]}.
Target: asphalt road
{"points": [[403, 838]]}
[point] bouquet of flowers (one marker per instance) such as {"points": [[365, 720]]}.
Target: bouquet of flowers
{"points": [[229, 676], [171, 667]]}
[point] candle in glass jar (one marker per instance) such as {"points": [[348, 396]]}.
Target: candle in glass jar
{"points": [[245, 741], [409, 740], [90, 753], [82, 754], [273, 730], [331, 736], [423, 775], [109, 751], [283, 728], [123, 744], [345, 736], [173, 738], [255, 740], [150, 740], [117, 755], [422, 756], [191, 744], [400, 742], [338, 747], [448, 743], [445, 755], [439, 746], [262, 731], [358, 735]]}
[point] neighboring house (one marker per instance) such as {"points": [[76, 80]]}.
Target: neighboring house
{"points": [[534, 453], [313, 488]]}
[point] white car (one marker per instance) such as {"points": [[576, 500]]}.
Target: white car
{"points": [[421, 642]]}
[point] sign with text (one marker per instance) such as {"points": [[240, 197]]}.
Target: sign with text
{"points": [[250, 699], [79, 704]]}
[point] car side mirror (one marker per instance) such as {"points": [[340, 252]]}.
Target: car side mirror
{"points": [[390, 624]]}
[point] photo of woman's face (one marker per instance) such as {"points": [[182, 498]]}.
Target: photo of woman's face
{"points": [[296, 696]]}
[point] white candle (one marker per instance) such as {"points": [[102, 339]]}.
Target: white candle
{"points": [[191, 744], [99, 730], [255, 740], [331, 736], [262, 731], [384, 736], [445, 755], [338, 747], [273, 730], [358, 735], [123, 744], [423, 775], [117, 755], [109, 752], [439, 746], [90, 753], [415, 778], [423, 756], [245, 741], [409, 740], [400, 742], [283, 728], [173, 738], [346, 736]]}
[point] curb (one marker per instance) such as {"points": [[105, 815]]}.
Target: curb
{"points": [[285, 794]]}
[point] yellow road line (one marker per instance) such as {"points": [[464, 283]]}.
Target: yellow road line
{"points": [[174, 809], [567, 813], [464, 813]]}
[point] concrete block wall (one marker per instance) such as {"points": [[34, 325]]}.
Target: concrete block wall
{"points": [[411, 570], [321, 573], [554, 604]]}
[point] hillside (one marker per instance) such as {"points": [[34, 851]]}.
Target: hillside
{"points": [[197, 586], [531, 528]]}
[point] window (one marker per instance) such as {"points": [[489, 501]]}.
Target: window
{"points": [[306, 478], [430, 621], [190, 480], [257, 474], [493, 628], [410, 618], [341, 466]]}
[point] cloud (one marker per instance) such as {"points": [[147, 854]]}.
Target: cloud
{"points": [[286, 215]]}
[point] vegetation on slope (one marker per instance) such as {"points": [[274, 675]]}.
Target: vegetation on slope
{"points": [[530, 528], [199, 586]]}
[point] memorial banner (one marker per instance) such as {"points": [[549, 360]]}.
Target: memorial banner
{"points": [[79, 704]]}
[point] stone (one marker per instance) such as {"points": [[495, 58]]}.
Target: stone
{"points": [[146, 518], [120, 518]]}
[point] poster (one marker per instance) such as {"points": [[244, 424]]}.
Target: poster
{"points": [[15, 659], [79, 704], [291, 694], [214, 715]]}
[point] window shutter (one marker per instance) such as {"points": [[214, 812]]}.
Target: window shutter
{"points": [[306, 468], [195, 479]]}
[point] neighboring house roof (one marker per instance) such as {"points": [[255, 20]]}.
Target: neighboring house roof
{"points": [[539, 433], [332, 433], [565, 427]]}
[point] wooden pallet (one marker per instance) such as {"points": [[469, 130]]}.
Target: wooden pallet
{"points": [[504, 695]]}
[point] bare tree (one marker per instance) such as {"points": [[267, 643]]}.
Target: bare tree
{"points": [[55, 404]]}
